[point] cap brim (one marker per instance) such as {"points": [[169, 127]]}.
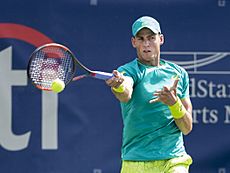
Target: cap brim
{"points": [[152, 29]]}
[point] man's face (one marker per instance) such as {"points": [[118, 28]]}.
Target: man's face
{"points": [[147, 45]]}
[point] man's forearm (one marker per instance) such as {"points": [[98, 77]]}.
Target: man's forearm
{"points": [[185, 123], [124, 96]]}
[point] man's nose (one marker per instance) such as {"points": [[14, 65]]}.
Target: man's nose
{"points": [[146, 43]]}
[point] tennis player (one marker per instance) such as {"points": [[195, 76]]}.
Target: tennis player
{"points": [[155, 105]]}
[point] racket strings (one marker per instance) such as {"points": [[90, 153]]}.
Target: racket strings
{"points": [[68, 67], [50, 64]]}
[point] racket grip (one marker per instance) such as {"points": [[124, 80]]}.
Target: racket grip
{"points": [[102, 75]]}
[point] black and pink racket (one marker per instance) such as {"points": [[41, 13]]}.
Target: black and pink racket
{"points": [[55, 61]]}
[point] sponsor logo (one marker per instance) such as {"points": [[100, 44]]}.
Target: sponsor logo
{"points": [[209, 84], [10, 77]]}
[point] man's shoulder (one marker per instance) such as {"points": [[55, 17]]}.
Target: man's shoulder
{"points": [[129, 65], [175, 66]]}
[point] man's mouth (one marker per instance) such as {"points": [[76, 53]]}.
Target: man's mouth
{"points": [[147, 51]]}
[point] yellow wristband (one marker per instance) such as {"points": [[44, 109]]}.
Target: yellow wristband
{"points": [[120, 89], [178, 110]]}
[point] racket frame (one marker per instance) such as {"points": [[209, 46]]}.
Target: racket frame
{"points": [[89, 73]]}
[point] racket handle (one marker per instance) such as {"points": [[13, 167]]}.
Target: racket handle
{"points": [[101, 75]]}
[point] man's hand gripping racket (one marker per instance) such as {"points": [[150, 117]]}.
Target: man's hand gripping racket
{"points": [[52, 62]]}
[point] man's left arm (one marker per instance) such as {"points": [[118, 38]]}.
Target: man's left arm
{"points": [[185, 123], [181, 109]]}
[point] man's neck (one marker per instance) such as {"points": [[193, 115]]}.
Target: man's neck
{"points": [[154, 62]]}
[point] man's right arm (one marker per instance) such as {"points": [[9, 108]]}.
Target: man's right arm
{"points": [[121, 86]]}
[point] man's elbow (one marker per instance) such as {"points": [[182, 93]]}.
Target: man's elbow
{"points": [[187, 130], [125, 99]]}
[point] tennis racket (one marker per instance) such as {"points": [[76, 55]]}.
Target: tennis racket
{"points": [[55, 61]]}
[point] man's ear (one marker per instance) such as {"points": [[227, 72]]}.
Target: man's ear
{"points": [[162, 39], [133, 41]]}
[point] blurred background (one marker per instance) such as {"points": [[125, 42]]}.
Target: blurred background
{"points": [[79, 130]]}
